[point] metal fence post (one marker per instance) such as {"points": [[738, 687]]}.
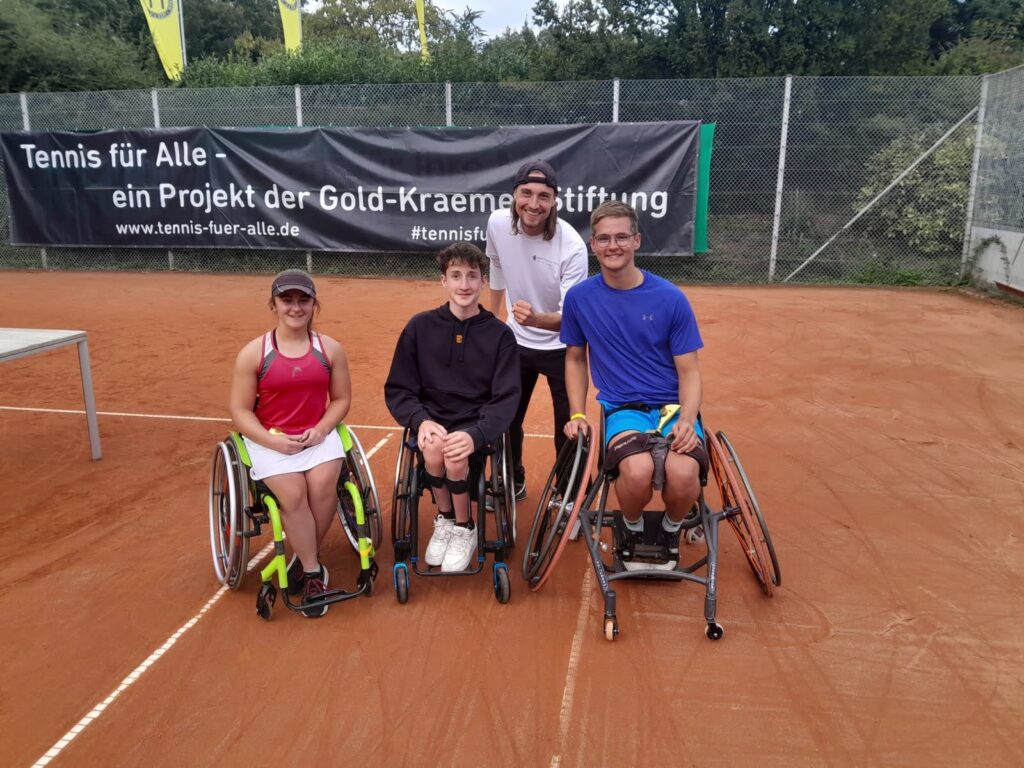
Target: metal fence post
{"points": [[615, 100], [448, 103], [26, 124], [298, 105], [979, 134], [156, 107], [780, 180]]}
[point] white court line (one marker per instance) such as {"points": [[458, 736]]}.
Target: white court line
{"points": [[569, 691], [136, 673], [185, 418]]}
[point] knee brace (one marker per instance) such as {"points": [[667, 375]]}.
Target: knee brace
{"points": [[456, 487]]}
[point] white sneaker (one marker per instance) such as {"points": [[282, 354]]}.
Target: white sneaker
{"points": [[438, 544], [461, 547]]}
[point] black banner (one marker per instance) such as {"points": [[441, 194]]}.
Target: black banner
{"points": [[337, 189]]}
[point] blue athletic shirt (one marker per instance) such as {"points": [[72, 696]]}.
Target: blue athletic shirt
{"points": [[632, 337]]}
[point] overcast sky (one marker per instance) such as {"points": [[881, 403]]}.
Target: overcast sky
{"points": [[497, 14]]}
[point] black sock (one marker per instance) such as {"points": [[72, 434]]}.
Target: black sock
{"points": [[317, 574], [468, 524], [449, 515]]}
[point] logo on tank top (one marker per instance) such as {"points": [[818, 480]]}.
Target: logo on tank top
{"points": [[647, 317], [296, 371], [458, 338]]}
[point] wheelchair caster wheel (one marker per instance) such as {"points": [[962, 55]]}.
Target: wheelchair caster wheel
{"points": [[402, 583], [611, 628], [502, 587], [714, 631], [265, 601]]}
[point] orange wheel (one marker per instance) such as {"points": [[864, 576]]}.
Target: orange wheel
{"points": [[740, 514], [746, 488]]}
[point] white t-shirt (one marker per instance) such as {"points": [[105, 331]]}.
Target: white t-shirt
{"points": [[532, 269]]}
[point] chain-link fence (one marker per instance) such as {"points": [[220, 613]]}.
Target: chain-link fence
{"points": [[996, 242], [801, 176]]}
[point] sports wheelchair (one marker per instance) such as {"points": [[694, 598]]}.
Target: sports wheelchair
{"points": [[567, 506], [240, 506], [491, 494]]}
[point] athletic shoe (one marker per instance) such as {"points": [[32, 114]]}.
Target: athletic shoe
{"points": [[296, 575], [520, 488], [461, 547], [670, 541], [439, 540], [312, 589], [628, 540]]}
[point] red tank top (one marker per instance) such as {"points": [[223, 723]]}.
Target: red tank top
{"points": [[291, 392]]}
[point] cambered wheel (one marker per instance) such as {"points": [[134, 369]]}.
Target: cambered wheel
{"points": [[502, 585], [229, 523], [402, 583], [559, 505], [359, 467], [402, 494], [503, 489], [611, 628], [265, 601], [746, 488], [740, 515]]}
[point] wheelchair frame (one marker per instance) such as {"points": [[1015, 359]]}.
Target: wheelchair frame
{"points": [[494, 486], [240, 506], [739, 507]]}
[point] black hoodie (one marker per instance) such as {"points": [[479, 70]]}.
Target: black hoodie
{"points": [[463, 374]]}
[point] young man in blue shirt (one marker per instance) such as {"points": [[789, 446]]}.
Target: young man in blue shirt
{"points": [[642, 339]]}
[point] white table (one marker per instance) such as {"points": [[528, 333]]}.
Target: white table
{"points": [[22, 342]]}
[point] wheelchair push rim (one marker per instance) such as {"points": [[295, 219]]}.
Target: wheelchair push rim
{"points": [[557, 510], [747, 488], [502, 489], [229, 521], [362, 476], [402, 490], [740, 515]]}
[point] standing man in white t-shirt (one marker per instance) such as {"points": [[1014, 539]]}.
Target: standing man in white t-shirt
{"points": [[535, 259]]}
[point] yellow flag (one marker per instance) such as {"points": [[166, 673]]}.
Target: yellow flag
{"points": [[291, 20], [421, 16], [164, 17]]}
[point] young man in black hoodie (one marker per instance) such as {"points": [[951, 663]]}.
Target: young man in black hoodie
{"points": [[454, 381]]}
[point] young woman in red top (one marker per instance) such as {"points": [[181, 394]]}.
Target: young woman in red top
{"points": [[289, 391]]}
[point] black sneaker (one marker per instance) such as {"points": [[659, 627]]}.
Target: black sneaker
{"points": [[670, 541], [628, 540], [296, 576], [312, 588], [520, 489]]}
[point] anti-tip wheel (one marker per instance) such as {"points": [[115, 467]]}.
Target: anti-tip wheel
{"points": [[611, 628], [714, 631]]}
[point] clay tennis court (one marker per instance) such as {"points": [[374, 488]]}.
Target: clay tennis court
{"points": [[883, 431]]}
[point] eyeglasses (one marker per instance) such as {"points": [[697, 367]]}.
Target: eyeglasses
{"points": [[620, 239]]}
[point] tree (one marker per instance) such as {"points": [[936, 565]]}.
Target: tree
{"points": [[40, 51]]}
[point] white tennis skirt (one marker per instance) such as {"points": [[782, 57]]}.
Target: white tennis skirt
{"points": [[267, 462]]}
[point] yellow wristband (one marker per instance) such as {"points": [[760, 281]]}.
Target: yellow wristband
{"points": [[578, 416]]}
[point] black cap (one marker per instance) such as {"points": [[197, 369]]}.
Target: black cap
{"points": [[536, 171], [293, 280]]}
